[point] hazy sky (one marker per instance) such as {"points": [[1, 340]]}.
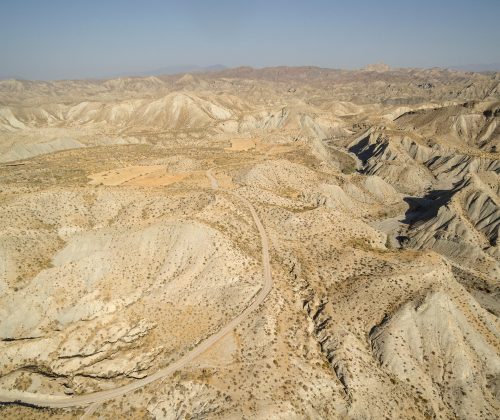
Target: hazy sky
{"points": [[54, 39]]}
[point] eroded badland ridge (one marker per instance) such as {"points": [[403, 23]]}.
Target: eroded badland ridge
{"points": [[273, 243]]}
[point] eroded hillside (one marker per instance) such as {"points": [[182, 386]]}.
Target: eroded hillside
{"points": [[274, 243]]}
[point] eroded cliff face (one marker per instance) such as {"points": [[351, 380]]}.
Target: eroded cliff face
{"points": [[378, 194]]}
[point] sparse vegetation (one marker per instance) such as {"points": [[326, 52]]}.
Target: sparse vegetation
{"points": [[119, 256]]}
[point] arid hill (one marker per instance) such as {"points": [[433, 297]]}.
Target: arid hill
{"points": [[251, 243]]}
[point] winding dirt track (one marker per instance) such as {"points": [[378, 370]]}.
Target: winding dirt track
{"points": [[64, 401]]}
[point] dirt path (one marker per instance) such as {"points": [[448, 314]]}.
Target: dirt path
{"points": [[63, 401], [213, 181]]}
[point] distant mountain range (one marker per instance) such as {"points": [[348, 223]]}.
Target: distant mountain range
{"points": [[185, 68], [193, 68]]}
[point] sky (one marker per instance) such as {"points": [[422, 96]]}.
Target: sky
{"points": [[72, 39]]}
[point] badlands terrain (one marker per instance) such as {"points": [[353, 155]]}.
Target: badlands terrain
{"points": [[280, 243]]}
